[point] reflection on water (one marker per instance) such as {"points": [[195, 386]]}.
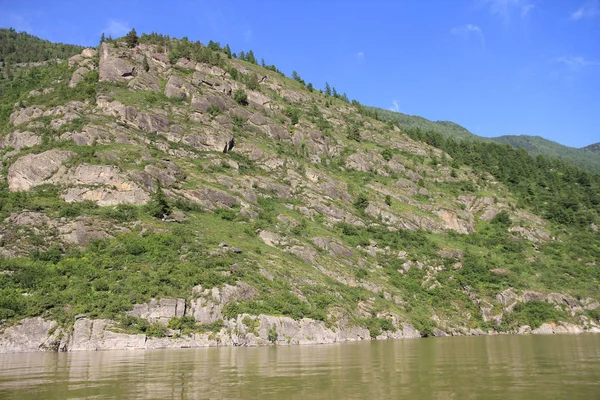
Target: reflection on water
{"points": [[507, 367]]}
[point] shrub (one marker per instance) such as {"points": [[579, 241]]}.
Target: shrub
{"points": [[158, 206], [293, 114], [362, 202], [240, 97], [272, 334]]}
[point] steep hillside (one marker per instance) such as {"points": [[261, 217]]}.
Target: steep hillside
{"points": [[167, 194], [584, 158]]}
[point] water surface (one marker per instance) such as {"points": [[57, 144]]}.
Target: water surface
{"points": [[503, 367]]}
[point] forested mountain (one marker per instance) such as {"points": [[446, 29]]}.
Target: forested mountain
{"points": [[20, 47], [584, 158], [158, 192], [593, 147]]}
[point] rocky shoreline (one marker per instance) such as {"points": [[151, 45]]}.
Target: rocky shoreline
{"points": [[206, 308], [39, 335]]}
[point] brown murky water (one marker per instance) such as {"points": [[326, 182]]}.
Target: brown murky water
{"points": [[507, 367]]}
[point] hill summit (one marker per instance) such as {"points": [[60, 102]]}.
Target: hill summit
{"points": [[162, 193]]}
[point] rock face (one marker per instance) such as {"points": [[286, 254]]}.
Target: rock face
{"points": [[104, 185], [30, 335], [35, 169], [114, 65], [159, 311], [19, 140], [209, 306], [91, 334]]}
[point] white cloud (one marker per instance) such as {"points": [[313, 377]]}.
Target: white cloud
{"points": [[576, 62], [467, 30], [395, 106], [505, 8], [248, 35], [116, 28], [526, 9], [360, 55], [590, 9]]}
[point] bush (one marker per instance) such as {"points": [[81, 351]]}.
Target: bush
{"points": [[362, 202], [240, 97], [158, 206], [272, 334], [533, 313], [293, 114]]}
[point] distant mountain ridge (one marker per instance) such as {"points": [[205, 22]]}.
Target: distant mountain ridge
{"points": [[587, 158], [593, 147]]}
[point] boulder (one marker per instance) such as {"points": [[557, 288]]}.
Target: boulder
{"points": [[114, 187], [24, 115], [159, 310], [29, 335], [81, 231], [114, 67], [178, 88], [209, 306], [91, 334], [145, 81], [20, 140], [36, 169]]}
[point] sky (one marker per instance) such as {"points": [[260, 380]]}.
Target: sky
{"points": [[496, 67]]}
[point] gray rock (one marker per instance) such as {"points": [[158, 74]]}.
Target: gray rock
{"points": [[159, 311], [178, 88], [29, 335], [24, 115], [82, 230], [20, 140], [208, 307], [114, 67], [36, 169], [145, 81], [91, 334]]}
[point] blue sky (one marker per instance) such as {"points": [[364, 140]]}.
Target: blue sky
{"points": [[494, 66]]}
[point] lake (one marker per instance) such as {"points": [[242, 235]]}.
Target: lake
{"points": [[500, 367]]}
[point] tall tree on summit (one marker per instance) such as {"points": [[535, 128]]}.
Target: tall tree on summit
{"points": [[132, 38]]}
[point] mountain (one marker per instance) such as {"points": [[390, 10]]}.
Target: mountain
{"points": [[21, 47], [159, 193], [585, 158], [415, 122], [593, 147]]}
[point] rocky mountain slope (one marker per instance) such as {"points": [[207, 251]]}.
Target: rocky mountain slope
{"points": [[166, 194]]}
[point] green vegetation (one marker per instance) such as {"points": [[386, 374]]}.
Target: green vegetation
{"points": [[343, 213], [584, 158], [21, 47]]}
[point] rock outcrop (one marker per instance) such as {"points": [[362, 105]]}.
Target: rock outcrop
{"points": [[36, 169], [114, 65], [30, 335]]}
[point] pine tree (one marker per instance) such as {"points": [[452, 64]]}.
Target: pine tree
{"points": [[132, 38], [158, 206], [327, 89], [145, 64], [102, 38], [242, 55], [250, 57], [227, 50]]}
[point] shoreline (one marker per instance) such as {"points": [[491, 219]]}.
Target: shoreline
{"points": [[34, 335]]}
